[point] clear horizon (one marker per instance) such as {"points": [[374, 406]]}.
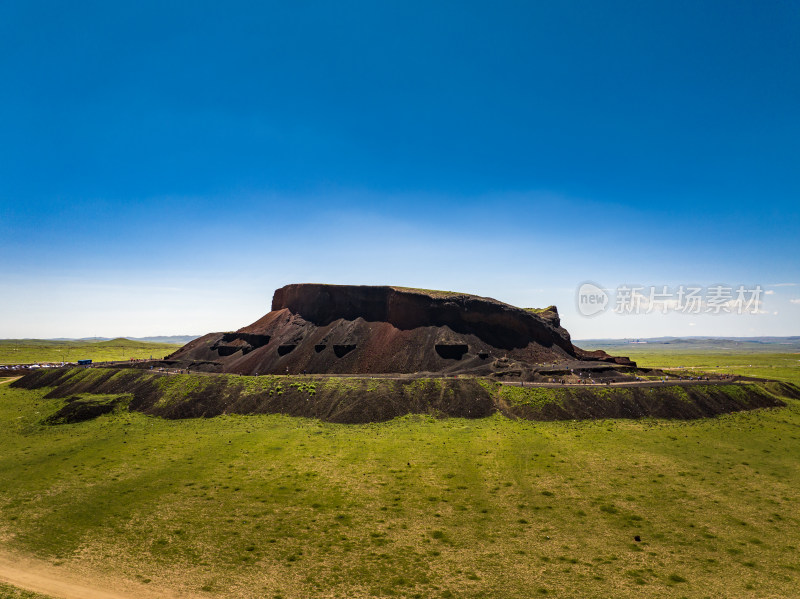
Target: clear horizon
{"points": [[165, 170]]}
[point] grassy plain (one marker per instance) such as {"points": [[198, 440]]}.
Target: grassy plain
{"points": [[771, 365], [31, 351], [273, 506]]}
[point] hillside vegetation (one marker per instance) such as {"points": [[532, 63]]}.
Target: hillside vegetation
{"points": [[361, 400]]}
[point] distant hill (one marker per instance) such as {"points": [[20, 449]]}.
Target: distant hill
{"points": [[752, 344], [171, 339], [176, 339], [124, 342]]}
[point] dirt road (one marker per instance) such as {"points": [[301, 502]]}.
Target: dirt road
{"points": [[656, 383], [59, 582]]}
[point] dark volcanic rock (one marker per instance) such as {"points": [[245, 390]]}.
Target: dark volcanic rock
{"points": [[363, 329]]}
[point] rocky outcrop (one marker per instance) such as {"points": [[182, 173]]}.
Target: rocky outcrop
{"points": [[318, 328]]}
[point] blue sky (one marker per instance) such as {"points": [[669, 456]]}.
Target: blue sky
{"points": [[165, 166]]}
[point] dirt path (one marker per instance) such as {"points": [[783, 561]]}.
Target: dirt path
{"points": [[11, 380], [670, 383], [59, 582]]}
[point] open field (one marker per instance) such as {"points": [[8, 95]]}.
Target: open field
{"points": [[32, 351], [766, 363], [784, 367], [275, 506]]}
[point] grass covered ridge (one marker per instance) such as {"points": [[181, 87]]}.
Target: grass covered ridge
{"points": [[334, 399], [361, 399], [435, 293], [669, 401]]}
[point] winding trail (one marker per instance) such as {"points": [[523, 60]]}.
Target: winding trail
{"points": [[59, 582]]}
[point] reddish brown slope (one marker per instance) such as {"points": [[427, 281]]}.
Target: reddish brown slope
{"points": [[359, 329]]}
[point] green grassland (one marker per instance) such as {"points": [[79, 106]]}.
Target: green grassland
{"points": [[764, 364], [274, 506], [777, 358], [31, 351]]}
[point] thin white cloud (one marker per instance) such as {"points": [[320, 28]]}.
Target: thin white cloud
{"points": [[769, 292], [795, 301], [782, 285]]}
